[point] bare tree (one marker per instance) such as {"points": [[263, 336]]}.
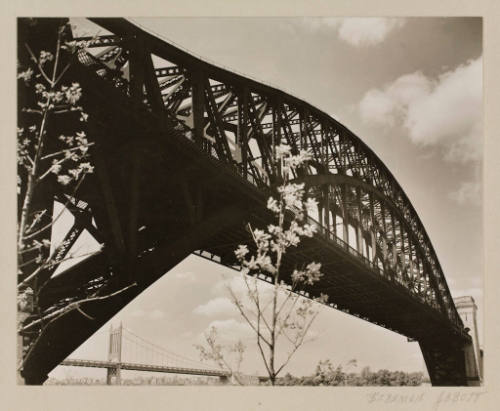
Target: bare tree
{"points": [[227, 357], [280, 318]]}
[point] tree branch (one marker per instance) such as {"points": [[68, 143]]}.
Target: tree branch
{"points": [[40, 68], [260, 312], [47, 264], [31, 235], [297, 345], [262, 351], [63, 151], [289, 313], [70, 307], [240, 309]]}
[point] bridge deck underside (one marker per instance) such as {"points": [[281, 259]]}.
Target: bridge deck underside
{"points": [[144, 367], [169, 164]]}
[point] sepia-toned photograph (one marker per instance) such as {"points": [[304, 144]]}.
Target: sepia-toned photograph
{"points": [[250, 201]]}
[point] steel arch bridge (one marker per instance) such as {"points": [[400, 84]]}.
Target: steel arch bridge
{"points": [[182, 152]]}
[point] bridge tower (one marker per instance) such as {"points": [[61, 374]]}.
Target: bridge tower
{"points": [[467, 309], [115, 355]]}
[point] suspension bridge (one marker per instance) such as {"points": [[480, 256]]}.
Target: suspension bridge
{"points": [[129, 351], [182, 153]]}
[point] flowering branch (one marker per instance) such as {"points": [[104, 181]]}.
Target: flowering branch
{"points": [[284, 313], [44, 157]]}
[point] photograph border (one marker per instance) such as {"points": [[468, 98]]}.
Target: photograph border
{"points": [[261, 398]]}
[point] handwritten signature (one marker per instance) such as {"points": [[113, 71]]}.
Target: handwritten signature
{"points": [[441, 397]]}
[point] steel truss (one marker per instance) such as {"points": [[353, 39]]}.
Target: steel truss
{"points": [[237, 123]]}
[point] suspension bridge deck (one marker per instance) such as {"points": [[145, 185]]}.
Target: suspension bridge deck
{"points": [[72, 362]]}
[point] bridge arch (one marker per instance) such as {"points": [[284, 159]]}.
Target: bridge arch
{"points": [[215, 132], [391, 245]]}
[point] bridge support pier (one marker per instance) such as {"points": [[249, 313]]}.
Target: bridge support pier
{"points": [[113, 376], [467, 309], [450, 365], [445, 363], [471, 369], [224, 380]]}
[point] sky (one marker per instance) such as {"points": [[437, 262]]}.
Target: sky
{"points": [[411, 89]]}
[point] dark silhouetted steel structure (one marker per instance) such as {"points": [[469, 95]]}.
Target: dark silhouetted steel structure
{"points": [[182, 153]]}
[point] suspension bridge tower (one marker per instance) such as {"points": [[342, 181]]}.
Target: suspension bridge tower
{"points": [[115, 355]]}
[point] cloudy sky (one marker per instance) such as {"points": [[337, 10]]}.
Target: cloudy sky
{"points": [[409, 88]]}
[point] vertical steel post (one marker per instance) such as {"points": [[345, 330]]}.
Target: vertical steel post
{"points": [[404, 266], [198, 106], [385, 250], [372, 231], [303, 137], [133, 215], [359, 230], [345, 219], [242, 132], [410, 252], [394, 262], [136, 70], [326, 194]]}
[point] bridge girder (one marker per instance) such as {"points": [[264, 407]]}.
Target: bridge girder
{"points": [[337, 150], [237, 123]]}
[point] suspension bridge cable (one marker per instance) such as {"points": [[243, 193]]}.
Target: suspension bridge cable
{"points": [[152, 347]]}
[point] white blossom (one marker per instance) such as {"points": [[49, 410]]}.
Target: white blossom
{"points": [[64, 180], [282, 151], [26, 75], [72, 93], [313, 273], [39, 88], [273, 205], [45, 56], [241, 252], [86, 167], [55, 168]]}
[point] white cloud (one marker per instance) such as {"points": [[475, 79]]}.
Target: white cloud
{"points": [[446, 110], [378, 107], [357, 31], [386, 106], [216, 306], [231, 330], [369, 31], [468, 148], [467, 193], [452, 108]]}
